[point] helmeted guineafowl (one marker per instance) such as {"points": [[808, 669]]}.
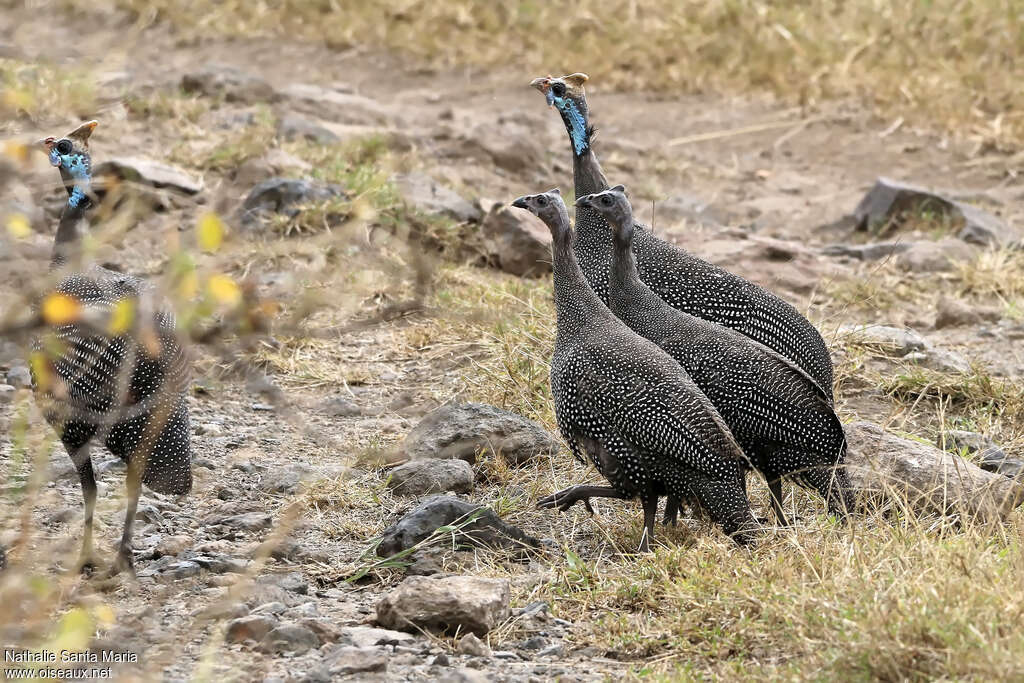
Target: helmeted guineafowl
{"points": [[780, 416], [681, 279], [644, 424], [97, 377]]}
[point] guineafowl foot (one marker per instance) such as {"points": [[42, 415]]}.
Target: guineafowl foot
{"points": [[86, 566], [125, 562], [673, 508], [566, 498]]}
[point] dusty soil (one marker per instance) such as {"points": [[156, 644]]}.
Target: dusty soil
{"points": [[784, 190]]}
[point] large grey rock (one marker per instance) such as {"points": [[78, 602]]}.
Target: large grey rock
{"points": [[234, 85], [349, 661], [867, 252], [940, 360], [486, 530], [463, 430], [951, 312], [895, 341], [516, 241], [892, 469], [253, 628], [334, 104], [514, 150], [935, 257], [285, 196], [149, 172], [889, 196], [431, 476], [465, 603], [984, 451], [292, 638], [369, 636], [426, 195]]}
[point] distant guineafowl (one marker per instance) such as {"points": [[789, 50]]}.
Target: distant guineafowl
{"points": [[103, 374], [681, 279], [780, 416], [635, 412]]}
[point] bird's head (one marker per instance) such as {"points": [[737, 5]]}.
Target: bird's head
{"points": [[70, 154], [550, 208], [565, 93], [614, 206]]}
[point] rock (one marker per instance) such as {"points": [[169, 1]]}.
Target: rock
{"points": [[285, 196], [984, 451], [463, 675], [516, 241], [883, 466], [7, 393], [246, 521], [325, 631], [955, 313], [515, 151], [234, 85], [431, 476], [895, 341], [534, 643], [688, 209], [469, 644], [347, 661], [292, 127], [177, 571], [263, 593], [867, 252], [293, 582], [465, 603], [368, 636], [19, 377], [253, 627], [334, 104], [339, 406], [222, 609], [284, 479], [888, 197], [487, 530], [462, 430], [935, 257], [290, 638], [149, 172], [423, 193], [941, 360]]}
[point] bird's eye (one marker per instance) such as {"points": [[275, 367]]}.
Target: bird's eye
{"points": [[64, 147], [542, 201], [606, 201], [558, 89]]}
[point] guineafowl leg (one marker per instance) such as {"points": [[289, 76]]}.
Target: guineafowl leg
{"points": [[83, 463], [775, 491], [650, 504], [133, 482], [566, 498]]}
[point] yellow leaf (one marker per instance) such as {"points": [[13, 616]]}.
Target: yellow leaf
{"points": [[224, 290], [18, 226], [18, 99], [16, 151], [73, 633], [122, 318], [105, 615], [210, 232], [188, 285], [61, 309]]}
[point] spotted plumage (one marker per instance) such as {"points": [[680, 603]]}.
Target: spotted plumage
{"points": [[780, 416], [681, 279], [126, 390], [630, 407]]}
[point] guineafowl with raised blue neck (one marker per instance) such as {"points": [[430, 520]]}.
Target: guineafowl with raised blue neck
{"points": [[781, 418], [630, 407], [111, 369], [680, 278]]}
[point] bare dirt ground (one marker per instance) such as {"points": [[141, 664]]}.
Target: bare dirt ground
{"points": [[780, 181]]}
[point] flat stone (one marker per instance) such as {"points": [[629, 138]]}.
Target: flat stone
{"points": [[951, 312], [516, 241], [889, 196], [882, 466], [348, 661], [487, 530], [469, 644], [233, 84], [290, 638], [867, 252], [369, 636], [431, 475], [464, 603], [286, 196], [334, 104], [895, 341], [295, 127], [426, 195], [149, 172], [339, 406], [941, 360], [253, 627], [935, 257], [246, 521], [286, 479], [463, 430]]}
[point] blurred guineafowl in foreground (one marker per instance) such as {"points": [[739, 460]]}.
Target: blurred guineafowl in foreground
{"points": [[780, 416], [635, 412], [111, 367], [681, 279]]}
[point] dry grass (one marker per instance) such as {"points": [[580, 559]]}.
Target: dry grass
{"points": [[44, 92], [951, 64]]}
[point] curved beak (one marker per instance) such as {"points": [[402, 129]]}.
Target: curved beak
{"points": [[544, 86], [51, 151], [585, 201], [520, 203]]}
